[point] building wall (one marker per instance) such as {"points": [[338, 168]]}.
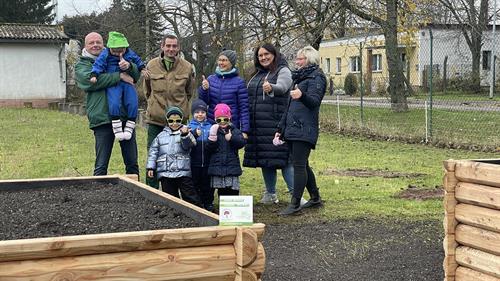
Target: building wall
{"points": [[32, 71], [346, 48], [451, 43]]}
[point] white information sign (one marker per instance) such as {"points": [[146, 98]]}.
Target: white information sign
{"points": [[236, 210]]}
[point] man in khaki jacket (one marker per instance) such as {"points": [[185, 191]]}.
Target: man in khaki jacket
{"points": [[170, 83]]}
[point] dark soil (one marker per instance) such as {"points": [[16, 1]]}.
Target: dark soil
{"points": [[414, 193], [354, 250], [77, 210], [364, 173]]}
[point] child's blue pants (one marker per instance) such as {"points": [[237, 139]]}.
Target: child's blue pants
{"points": [[130, 100]]}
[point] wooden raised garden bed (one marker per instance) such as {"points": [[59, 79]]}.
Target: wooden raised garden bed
{"points": [[209, 252], [472, 220]]}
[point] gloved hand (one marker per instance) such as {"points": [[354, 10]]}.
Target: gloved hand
{"points": [[213, 132], [277, 141]]}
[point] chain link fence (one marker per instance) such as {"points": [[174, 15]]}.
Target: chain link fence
{"points": [[453, 101]]}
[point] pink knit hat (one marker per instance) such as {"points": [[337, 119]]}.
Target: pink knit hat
{"points": [[222, 109]]}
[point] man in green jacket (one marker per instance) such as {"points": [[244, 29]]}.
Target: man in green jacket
{"points": [[97, 106]]}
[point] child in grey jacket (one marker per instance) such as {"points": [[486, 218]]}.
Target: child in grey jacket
{"points": [[169, 156]]}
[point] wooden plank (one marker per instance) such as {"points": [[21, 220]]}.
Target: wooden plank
{"points": [[449, 245], [200, 215], [484, 240], [449, 181], [12, 185], [25, 249], [467, 274], [477, 194], [133, 177], [478, 260], [449, 202], [477, 172], [449, 223], [245, 246], [195, 263], [481, 217]]}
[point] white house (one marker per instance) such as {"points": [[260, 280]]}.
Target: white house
{"points": [[449, 45], [32, 64]]}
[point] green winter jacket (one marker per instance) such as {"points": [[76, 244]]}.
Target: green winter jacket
{"points": [[97, 103]]}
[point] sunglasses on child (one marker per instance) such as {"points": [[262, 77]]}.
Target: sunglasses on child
{"points": [[171, 121], [222, 120]]}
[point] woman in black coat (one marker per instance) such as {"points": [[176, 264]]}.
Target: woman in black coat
{"points": [[299, 126], [268, 94]]}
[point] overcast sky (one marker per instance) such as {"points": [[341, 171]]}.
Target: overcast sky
{"points": [[74, 7]]}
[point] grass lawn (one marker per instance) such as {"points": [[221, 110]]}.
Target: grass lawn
{"points": [[41, 143]]}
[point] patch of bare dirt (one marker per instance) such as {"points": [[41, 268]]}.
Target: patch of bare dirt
{"points": [[365, 173], [415, 193]]}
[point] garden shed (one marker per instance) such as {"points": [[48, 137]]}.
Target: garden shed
{"points": [[33, 64]]}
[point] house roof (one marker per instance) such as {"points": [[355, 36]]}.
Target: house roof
{"points": [[16, 32]]}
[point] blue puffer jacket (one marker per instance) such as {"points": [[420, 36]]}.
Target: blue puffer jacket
{"points": [[169, 154], [301, 121], [199, 154], [231, 90], [224, 158]]}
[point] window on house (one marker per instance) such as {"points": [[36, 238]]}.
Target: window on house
{"points": [[339, 65], [377, 62], [404, 61], [355, 64], [327, 65], [486, 60]]}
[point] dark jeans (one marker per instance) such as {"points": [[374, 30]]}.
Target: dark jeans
{"points": [[153, 131], [201, 182], [104, 140], [172, 186], [303, 175]]}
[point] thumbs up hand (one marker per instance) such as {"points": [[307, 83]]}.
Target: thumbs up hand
{"points": [[266, 87], [204, 83], [296, 93], [228, 135], [123, 64]]}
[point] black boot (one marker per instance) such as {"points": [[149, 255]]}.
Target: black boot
{"points": [[315, 200], [293, 208]]}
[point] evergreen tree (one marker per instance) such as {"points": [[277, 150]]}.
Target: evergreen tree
{"points": [[137, 31], [26, 11]]}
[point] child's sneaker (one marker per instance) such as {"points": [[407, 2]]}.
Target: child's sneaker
{"points": [[269, 198], [129, 130], [117, 129]]}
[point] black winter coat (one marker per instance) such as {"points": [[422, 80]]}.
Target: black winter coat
{"points": [[301, 122], [224, 159], [265, 114]]}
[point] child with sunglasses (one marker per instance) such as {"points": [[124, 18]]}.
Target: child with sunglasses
{"points": [[224, 142], [200, 128], [169, 156]]}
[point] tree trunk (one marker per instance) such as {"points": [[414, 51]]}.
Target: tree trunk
{"points": [[397, 90]]}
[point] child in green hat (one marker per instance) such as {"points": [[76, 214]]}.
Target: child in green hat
{"points": [[109, 61]]}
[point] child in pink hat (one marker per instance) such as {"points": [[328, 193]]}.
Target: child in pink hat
{"points": [[224, 141]]}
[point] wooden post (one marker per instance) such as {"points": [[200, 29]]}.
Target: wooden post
{"points": [[467, 274], [449, 222]]}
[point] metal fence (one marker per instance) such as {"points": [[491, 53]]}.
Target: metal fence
{"points": [[444, 106]]}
